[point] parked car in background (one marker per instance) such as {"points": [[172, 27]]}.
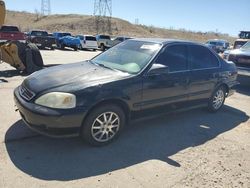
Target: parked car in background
{"points": [[104, 42], [241, 55], [41, 39], [66, 40], [10, 32], [244, 37], [119, 39], [87, 42], [140, 77], [218, 45]]}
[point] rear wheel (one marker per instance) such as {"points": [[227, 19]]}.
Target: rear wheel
{"points": [[217, 99], [103, 125], [61, 46]]}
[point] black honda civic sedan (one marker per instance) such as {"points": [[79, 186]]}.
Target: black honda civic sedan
{"points": [[140, 77]]}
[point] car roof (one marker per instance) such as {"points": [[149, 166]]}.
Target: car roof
{"points": [[164, 41]]}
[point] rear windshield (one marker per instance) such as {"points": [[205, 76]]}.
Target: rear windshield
{"points": [[217, 43], [9, 29], [66, 34], [104, 37], [90, 38], [244, 35], [80, 37], [39, 33]]}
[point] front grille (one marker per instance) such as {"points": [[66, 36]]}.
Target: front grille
{"points": [[26, 93]]}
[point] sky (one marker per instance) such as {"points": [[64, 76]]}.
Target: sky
{"points": [[225, 16]]}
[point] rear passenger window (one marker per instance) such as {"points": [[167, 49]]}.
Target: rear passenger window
{"points": [[175, 57], [202, 58]]}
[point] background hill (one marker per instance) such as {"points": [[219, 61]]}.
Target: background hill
{"points": [[84, 24]]}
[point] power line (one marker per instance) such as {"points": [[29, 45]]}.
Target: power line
{"points": [[103, 15], [45, 7]]}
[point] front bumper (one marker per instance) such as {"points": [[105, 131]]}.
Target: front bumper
{"points": [[50, 122]]}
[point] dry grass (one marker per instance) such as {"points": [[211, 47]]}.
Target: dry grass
{"points": [[83, 24]]}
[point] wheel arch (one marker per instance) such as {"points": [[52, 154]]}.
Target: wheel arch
{"points": [[226, 87], [118, 102]]}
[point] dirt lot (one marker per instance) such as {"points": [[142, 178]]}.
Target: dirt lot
{"points": [[188, 149]]}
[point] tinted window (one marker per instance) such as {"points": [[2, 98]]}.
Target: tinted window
{"points": [[90, 38], [175, 57], [119, 39], [202, 58], [104, 37], [9, 29], [39, 33], [80, 37]]}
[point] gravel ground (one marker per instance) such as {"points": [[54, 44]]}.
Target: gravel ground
{"points": [[188, 149]]}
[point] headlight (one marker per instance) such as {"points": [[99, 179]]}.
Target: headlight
{"points": [[57, 100]]}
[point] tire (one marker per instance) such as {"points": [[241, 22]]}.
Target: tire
{"points": [[75, 48], [80, 47], [97, 134], [102, 47], [36, 55], [61, 46], [217, 99], [52, 48], [42, 47]]}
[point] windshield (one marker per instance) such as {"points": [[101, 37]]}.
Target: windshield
{"points": [[129, 56], [39, 33], [246, 46]]}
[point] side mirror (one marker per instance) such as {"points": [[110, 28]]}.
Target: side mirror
{"points": [[158, 69]]}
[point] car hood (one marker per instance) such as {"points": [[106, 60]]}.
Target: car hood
{"points": [[240, 52], [71, 77]]}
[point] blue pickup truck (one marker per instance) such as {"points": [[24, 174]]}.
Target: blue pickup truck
{"points": [[66, 40]]}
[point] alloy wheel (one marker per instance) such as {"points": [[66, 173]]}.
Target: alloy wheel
{"points": [[218, 99], [105, 126]]}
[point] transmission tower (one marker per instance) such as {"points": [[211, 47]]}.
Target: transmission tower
{"points": [[45, 7], [103, 15]]}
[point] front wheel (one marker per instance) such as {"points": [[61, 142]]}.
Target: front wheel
{"points": [[103, 125], [217, 99], [102, 47]]}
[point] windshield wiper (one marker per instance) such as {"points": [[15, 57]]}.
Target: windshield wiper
{"points": [[101, 65]]}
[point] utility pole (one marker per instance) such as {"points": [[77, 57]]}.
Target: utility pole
{"points": [[45, 7], [103, 15]]}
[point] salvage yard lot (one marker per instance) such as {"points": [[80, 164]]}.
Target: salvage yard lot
{"points": [[188, 149]]}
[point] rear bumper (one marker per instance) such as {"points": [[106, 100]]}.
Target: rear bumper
{"points": [[50, 122]]}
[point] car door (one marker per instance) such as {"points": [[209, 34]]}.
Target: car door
{"points": [[205, 67], [168, 87]]}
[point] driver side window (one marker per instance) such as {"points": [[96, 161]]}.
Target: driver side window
{"points": [[175, 57]]}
